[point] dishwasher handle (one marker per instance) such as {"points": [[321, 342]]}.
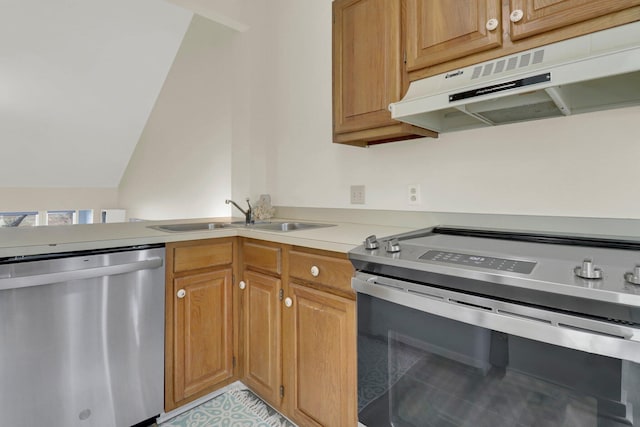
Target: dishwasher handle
{"points": [[85, 273]]}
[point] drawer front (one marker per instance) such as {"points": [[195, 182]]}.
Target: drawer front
{"points": [[323, 270], [262, 257], [205, 255]]}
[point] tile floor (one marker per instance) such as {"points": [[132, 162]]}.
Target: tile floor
{"points": [[235, 407]]}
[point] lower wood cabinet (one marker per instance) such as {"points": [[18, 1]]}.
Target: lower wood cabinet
{"points": [[320, 354], [199, 306], [262, 337], [299, 332], [289, 317]]}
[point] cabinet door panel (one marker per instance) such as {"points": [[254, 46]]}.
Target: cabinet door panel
{"points": [[323, 353], [203, 339], [443, 30], [544, 15], [367, 64], [262, 354]]}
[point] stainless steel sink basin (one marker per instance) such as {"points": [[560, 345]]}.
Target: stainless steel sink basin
{"points": [[267, 226], [195, 226], [289, 226]]}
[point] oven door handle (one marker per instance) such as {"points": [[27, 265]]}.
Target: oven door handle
{"points": [[560, 329]]}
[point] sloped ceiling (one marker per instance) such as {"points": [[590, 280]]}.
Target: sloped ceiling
{"points": [[78, 79]]}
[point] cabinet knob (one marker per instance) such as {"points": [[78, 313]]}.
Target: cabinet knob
{"points": [[181, 293], [492, 24], [315, 271], [242, 284], [288, 302], [516, 15]]}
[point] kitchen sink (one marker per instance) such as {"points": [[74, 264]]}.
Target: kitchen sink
{"points": [[289, 226], [266, 226], [196, 226]]}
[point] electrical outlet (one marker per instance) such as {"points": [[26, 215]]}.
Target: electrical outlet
{"points": [[357, 194], [413, 194]]}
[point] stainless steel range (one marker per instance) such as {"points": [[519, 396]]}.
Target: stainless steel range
{"points": [[460, 327]]}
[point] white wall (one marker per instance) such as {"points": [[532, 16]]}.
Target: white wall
{"points": [[181, 167], [578, 166], [77, 82]]}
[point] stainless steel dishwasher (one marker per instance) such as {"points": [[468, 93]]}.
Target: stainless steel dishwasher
{"points": [[82, 338]]}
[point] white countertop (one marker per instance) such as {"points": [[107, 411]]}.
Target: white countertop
{"points": [[22, 241], [351, 228]]}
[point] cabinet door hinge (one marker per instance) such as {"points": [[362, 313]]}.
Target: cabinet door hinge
{"points": [[404, 56], [281, 391], [281, 294]]}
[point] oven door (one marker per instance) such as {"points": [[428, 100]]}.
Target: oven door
{"points": [[432, 357]]}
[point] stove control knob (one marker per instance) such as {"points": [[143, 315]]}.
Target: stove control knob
{"points": [[392, 246], [371, 242], [634, 276], [588, 271]]}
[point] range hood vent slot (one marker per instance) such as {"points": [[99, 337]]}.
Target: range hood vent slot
{"points": [[500, 65]]}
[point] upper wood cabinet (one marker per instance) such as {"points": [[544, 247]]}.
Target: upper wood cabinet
{"points": [[442, 30], [368, 72], [532, 17], [443, 35]]}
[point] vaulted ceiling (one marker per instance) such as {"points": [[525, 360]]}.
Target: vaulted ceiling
{"points": [[78, 79]]}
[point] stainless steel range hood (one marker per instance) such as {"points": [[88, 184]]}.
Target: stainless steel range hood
{"points": [[598, 71]]}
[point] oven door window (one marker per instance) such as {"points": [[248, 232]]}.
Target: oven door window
{"points": [[416, 369]]}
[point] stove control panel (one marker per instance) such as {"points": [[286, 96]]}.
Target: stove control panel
{"points": [[501, 264]]}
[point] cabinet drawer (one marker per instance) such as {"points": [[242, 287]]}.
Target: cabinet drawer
{"points": [[320, 269], [262, 257], [195, 256]]}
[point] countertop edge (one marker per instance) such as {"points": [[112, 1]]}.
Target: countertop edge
{"points": [[339, 237]]}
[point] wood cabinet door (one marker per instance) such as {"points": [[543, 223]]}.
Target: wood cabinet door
{"points": [[438, 31], [539, 16], [262, 342], [321, 358], [367, 63], [203, 331]]}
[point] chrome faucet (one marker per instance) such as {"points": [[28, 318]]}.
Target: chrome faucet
{"points": [[248, 214]]}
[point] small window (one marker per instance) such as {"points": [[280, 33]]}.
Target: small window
{"points": [[18, 219], [85, 216], [61, 217]]}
